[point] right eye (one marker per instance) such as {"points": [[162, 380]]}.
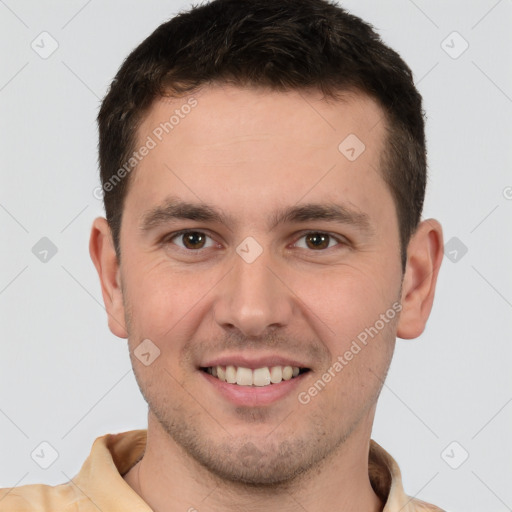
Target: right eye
{"points": [[191, 240]]}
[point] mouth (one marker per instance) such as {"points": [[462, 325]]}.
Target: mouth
{"points": [[257, 377]]}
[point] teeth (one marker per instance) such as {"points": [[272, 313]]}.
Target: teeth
{"points": [[244, 376], [258, 377], [287, 372], [276, 374], [230, 374]]}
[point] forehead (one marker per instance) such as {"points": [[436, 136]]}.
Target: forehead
{"points": [[207, 118], [224, 143]]}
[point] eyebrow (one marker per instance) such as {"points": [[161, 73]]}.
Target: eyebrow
{"points": [[175, 208]]}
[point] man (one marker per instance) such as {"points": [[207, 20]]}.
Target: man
{"points": [[263, 167]]}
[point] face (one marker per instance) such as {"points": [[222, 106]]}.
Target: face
{"points": [[256, 235]]}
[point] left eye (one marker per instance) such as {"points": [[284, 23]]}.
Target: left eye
{"points": [[317, 240]]}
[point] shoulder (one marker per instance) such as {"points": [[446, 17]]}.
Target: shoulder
{"points": [[38, 498], [386, 479], [416, 505]]}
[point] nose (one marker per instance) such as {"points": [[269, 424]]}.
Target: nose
{"points": [[253, 297]]}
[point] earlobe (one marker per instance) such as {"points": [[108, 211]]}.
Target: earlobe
{"points": [[103, 255], [424, 258]]}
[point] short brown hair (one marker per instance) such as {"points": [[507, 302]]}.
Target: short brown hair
{"points": [[278, 44]]}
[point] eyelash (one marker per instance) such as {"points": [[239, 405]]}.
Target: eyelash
{"points": [[169, 238]]}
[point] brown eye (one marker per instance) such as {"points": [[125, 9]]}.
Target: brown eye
{"points": [[190, 240], [318, 241], [193, 240]]}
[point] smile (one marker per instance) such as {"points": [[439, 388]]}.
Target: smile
{"points": [[260, 377]]}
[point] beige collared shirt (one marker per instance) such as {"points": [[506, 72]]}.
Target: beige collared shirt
{"points": [[99, 486]]}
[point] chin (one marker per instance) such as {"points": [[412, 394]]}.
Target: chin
{"points": [[272, 459], [248, 465]]}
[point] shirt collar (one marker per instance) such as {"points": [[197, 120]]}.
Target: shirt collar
{"points": [[112, 455]]}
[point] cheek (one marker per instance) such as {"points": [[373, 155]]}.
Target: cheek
{"points": [[165, 300], [345, 308], [346, 299]]}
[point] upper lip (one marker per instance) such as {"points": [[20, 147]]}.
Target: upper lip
{"points": [[253, 362]]}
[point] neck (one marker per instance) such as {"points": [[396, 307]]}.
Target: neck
{"points": [[169, 480]]}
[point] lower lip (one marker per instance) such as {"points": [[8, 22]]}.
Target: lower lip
{"points": [[252, 396]]}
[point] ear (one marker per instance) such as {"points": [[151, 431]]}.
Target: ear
{"points": [[424, 256], [103, 255]]}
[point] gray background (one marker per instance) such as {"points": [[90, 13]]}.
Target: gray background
{"points": [[65, 379]]}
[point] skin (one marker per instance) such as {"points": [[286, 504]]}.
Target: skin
{"points": [[249, 152]]}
